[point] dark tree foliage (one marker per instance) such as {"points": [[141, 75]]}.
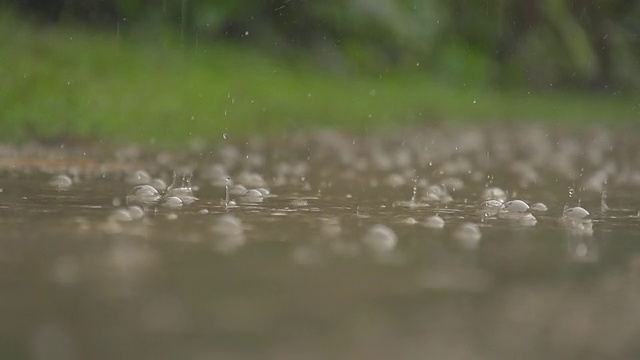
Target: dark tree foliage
{"points": [[542, 43]]}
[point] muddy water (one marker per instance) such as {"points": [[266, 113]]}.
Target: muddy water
{"points": [[337, 261]]}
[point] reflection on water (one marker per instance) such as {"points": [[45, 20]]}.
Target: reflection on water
{"points": [[417, 245]]}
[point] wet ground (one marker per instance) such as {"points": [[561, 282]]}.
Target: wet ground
{"points": [[325, 245]]}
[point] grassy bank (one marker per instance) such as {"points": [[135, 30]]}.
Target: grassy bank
{"points": [[70, 82]]}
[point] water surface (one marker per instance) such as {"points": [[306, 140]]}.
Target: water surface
{"points": [[297, 274]]}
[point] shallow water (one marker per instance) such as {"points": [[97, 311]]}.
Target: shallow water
{"points": [[284, 278]]}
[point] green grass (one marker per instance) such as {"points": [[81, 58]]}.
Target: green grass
{"points": [[73, 82]]}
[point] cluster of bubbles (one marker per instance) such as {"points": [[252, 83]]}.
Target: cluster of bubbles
{"points": [[431, 173]]}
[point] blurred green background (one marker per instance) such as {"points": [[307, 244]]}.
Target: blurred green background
{"points": [[165, 71]]}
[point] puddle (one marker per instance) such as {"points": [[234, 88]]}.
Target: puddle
{"points": [[474, 243]]}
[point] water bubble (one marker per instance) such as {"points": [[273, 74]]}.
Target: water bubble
{"points": [[380, 239], [410, 221], [172, 202], [490, 208], [583, 249], [61, 182], [434, 222], [227, 225], [229, 234], [143, 194], [515, 206], [237, 190], [575, 213], [468, 235], [172, 216], [528, 220], [183, 191], [264, 192], [252, 196], [136, 212], [159, 184], [539, 207], [514, 209], [576, 219], [436, 193], [299, 203], [121, 215]]}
